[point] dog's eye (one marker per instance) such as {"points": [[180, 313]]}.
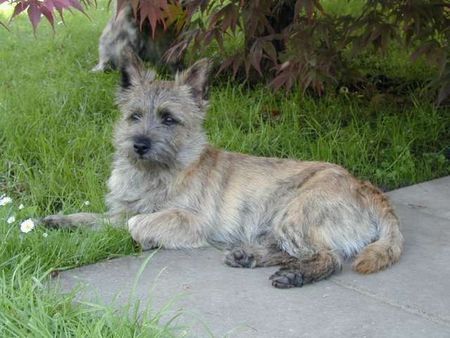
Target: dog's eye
{"points": [[135, 116], [167, 119]]}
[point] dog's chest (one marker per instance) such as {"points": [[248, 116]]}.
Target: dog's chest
{"points": [[136, 192]]}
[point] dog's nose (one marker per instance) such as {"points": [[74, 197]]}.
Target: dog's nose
{"points": [[141, 145]]}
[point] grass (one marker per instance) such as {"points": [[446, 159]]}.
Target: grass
{"points": [[56, 122], [51, 107]]}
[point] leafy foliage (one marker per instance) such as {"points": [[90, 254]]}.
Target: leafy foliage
{"points": [[154, 12], [290, 41], [47, 8]]}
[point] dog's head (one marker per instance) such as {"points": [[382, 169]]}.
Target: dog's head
{"points": [[162, 121]]}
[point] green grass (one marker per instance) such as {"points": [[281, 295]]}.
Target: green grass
{"points": [[388, 146], [56, 121], [54, 154]]}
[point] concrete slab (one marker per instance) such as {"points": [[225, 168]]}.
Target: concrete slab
{"points": [[411, 299], [431, 197], [242, 303], [421, 280]]}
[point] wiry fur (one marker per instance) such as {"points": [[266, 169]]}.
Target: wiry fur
{"points": [[183, 193]]}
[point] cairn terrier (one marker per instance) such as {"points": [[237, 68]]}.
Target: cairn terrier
{"points": [[175, 191], [123, 33]]}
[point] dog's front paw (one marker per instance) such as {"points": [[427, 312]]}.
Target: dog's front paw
{"points": [[100, 67], [140, 233], [57, 222], [239, 258]]}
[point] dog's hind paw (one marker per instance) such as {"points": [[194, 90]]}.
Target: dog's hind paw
{"points": [[285, 279]]}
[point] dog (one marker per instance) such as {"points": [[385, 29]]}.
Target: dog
{"points": [[174, 190], [123, 33]]}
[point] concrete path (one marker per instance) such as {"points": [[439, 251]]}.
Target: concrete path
{"points": [[411, 299]]}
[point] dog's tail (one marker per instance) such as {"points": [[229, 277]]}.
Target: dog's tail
{"points": [[388, 248]]}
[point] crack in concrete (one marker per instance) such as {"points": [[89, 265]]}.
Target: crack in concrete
{"points": [[422, 210], [406, 308]]}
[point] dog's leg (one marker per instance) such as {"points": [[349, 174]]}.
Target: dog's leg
{"points": [[82, 219], [252, 256], [299, 271], [106, 47], [171, 228]]}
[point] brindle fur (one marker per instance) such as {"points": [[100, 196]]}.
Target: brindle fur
{"points": [[122, 32], [183, 193]]}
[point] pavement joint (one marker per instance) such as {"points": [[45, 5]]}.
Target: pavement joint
{"points": [[406, 308], [422, 209]]}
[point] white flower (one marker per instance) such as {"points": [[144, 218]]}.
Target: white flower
{"points": [[11, 220], [27, 225], [87, 203], [5, 200], [21, 206], [45, 235]]}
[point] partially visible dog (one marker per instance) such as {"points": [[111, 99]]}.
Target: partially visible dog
{"points": [[176, 191], [123, 33]]}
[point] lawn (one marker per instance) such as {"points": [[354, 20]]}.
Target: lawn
{"points": [[56, 121]]}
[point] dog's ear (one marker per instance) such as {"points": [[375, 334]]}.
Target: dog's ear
{"points": [[132, 70], [196, 77]]}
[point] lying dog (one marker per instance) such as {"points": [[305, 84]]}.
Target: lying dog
{"points": [[174, 190]]}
